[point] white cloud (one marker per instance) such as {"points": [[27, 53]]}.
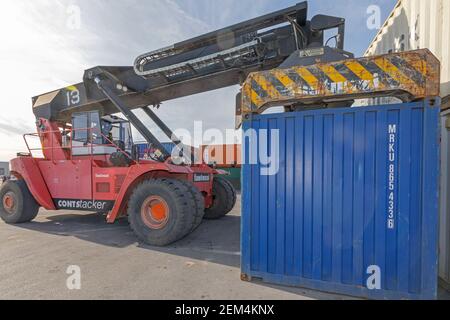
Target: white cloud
{"points": [[40, 53], [220, 14]]}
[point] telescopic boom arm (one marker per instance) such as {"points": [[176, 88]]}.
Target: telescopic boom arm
{"points": [[212, 61]]}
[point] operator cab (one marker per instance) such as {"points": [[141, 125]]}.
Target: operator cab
{"points": [[95, 135]]}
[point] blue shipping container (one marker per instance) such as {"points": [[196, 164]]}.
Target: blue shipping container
{"points": [[353, 208]]}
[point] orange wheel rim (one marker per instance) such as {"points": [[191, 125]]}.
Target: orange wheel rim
{"points": [[8, 202], [155, 212]]}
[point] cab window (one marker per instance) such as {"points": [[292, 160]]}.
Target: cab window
{"points": [[86, 128]]}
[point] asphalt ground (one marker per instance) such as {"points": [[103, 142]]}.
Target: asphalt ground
{"points": [[35, 258]]}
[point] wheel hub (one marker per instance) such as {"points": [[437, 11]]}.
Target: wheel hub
{"points": [[155, 212], [9, 202]]}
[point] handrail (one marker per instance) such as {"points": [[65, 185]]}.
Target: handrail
{"points": [[91, 147]]}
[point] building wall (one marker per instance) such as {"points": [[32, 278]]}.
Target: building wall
{"points": [[4, 168], [417, 24]]}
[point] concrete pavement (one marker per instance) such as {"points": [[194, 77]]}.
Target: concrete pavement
{"points": [[34, 258]]}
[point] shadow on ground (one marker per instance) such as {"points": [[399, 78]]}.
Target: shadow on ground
{"points": [[214, 241]]}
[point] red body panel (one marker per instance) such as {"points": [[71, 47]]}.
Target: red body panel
{"points": [[63, 181], [107, 182], [27, 168], [68, 179], [51, 141]]}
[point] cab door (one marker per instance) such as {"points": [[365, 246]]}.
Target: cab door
{"points": [[86, 134], [72, 179], [68, 180]]}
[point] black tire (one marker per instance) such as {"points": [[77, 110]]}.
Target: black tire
{"points": [[180, 205], [224, 201], [24, 207], [200, 204]]}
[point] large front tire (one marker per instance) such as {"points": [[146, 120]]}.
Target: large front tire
{"points": [[17, 204], [224, 199], [199, 212], [161, 211]]}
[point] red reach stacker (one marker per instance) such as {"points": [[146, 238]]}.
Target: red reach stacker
{"points": [[89, 160]]}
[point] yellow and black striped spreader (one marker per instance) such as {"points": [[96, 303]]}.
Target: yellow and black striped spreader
{"points": [[407, 75]]}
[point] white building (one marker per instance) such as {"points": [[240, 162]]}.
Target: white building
{"points": [[418, 24], [4, 169]]}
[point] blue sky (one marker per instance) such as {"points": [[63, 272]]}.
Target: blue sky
{"points": [[40, 53]]}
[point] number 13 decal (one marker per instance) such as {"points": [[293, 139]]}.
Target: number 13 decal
{"points": [[73, 97]]}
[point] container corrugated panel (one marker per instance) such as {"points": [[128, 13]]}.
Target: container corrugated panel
{"points": [[353, 208], [418, 24], [142, 147], [169, 146], [444, 245]]}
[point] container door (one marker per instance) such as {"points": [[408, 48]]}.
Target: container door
{"points": [[344, 200]]}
